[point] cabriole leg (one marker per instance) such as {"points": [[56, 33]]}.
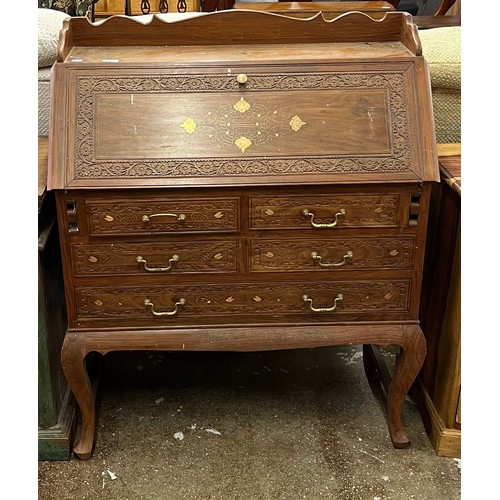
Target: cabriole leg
{"points": [[73, 363], [408, 364]]}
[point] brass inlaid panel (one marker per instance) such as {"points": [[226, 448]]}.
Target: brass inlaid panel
{"points": [[207, 125], [254, 299], [164, 217], [367, 253], [121, 258], [303, 123], [360, 211]]}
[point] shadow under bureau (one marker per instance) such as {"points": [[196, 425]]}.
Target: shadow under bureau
{"points": [[242, 181]]}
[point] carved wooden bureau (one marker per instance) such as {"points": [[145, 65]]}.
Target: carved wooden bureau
{"points": [[242, 181]]}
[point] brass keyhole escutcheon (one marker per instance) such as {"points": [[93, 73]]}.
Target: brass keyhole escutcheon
{"points": [[242, 78]]}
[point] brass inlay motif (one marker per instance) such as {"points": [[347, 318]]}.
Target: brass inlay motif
{"points": [[259, 125], [243, 143], [230, 299], [218, 256], [242, 105], [189, 125], [92, 259], [257, 299], [108, 218], [219, 215], [296, 123], [98, 302]]}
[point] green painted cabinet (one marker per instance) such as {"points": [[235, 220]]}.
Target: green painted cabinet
{"points": [[56, 408]]}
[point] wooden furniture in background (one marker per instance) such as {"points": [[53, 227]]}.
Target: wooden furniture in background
{"points": [[440, 379], [354, 4], [242, 181], [56, 406], [428, 22], [445, 6], [107, 8], [330, 10]]}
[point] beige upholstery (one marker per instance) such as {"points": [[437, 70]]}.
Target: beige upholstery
{"points": [[442, 51], [50, 23]]}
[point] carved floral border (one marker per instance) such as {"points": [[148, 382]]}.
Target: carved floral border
{"points": [[88, 87]]}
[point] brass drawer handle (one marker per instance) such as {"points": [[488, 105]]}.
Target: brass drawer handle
{"points": [[338, 298], [147, 218], [323, 226], [348, 255], [180, 302], [142, 260]]}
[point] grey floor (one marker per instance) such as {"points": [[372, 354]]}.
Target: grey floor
{"points": [[285, 425]]}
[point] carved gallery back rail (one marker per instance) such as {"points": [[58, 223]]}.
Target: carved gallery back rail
{"points": [[264, 190]]}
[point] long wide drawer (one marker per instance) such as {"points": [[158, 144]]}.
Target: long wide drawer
{"points": [[170, 257], [199, 302], [330, 254]]}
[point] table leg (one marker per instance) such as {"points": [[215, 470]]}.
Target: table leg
{"points": [[73, 363], [408, 364]]}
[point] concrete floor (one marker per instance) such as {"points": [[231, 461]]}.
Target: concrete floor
{"points": [[275, 425]]}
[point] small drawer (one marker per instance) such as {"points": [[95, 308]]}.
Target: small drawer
{"points": [[198, 303], [325, 212], [152, 217], [329, 255], [155, 258]]}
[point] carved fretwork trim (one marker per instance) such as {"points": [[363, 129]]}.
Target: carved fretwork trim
{"points": [[88, 88]]}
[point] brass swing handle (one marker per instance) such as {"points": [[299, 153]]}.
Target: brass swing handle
{"points": [[307, 213], [180, 302], [338, 298], [349, 255], [147, 218], [142, 260]]}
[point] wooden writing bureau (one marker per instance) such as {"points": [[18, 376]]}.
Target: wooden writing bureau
{"points": [[241, 181]]}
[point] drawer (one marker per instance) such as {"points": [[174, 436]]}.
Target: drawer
{"points": [[151, 217], [155, 258], [328, 255], [326, 211], [197, 303]]}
